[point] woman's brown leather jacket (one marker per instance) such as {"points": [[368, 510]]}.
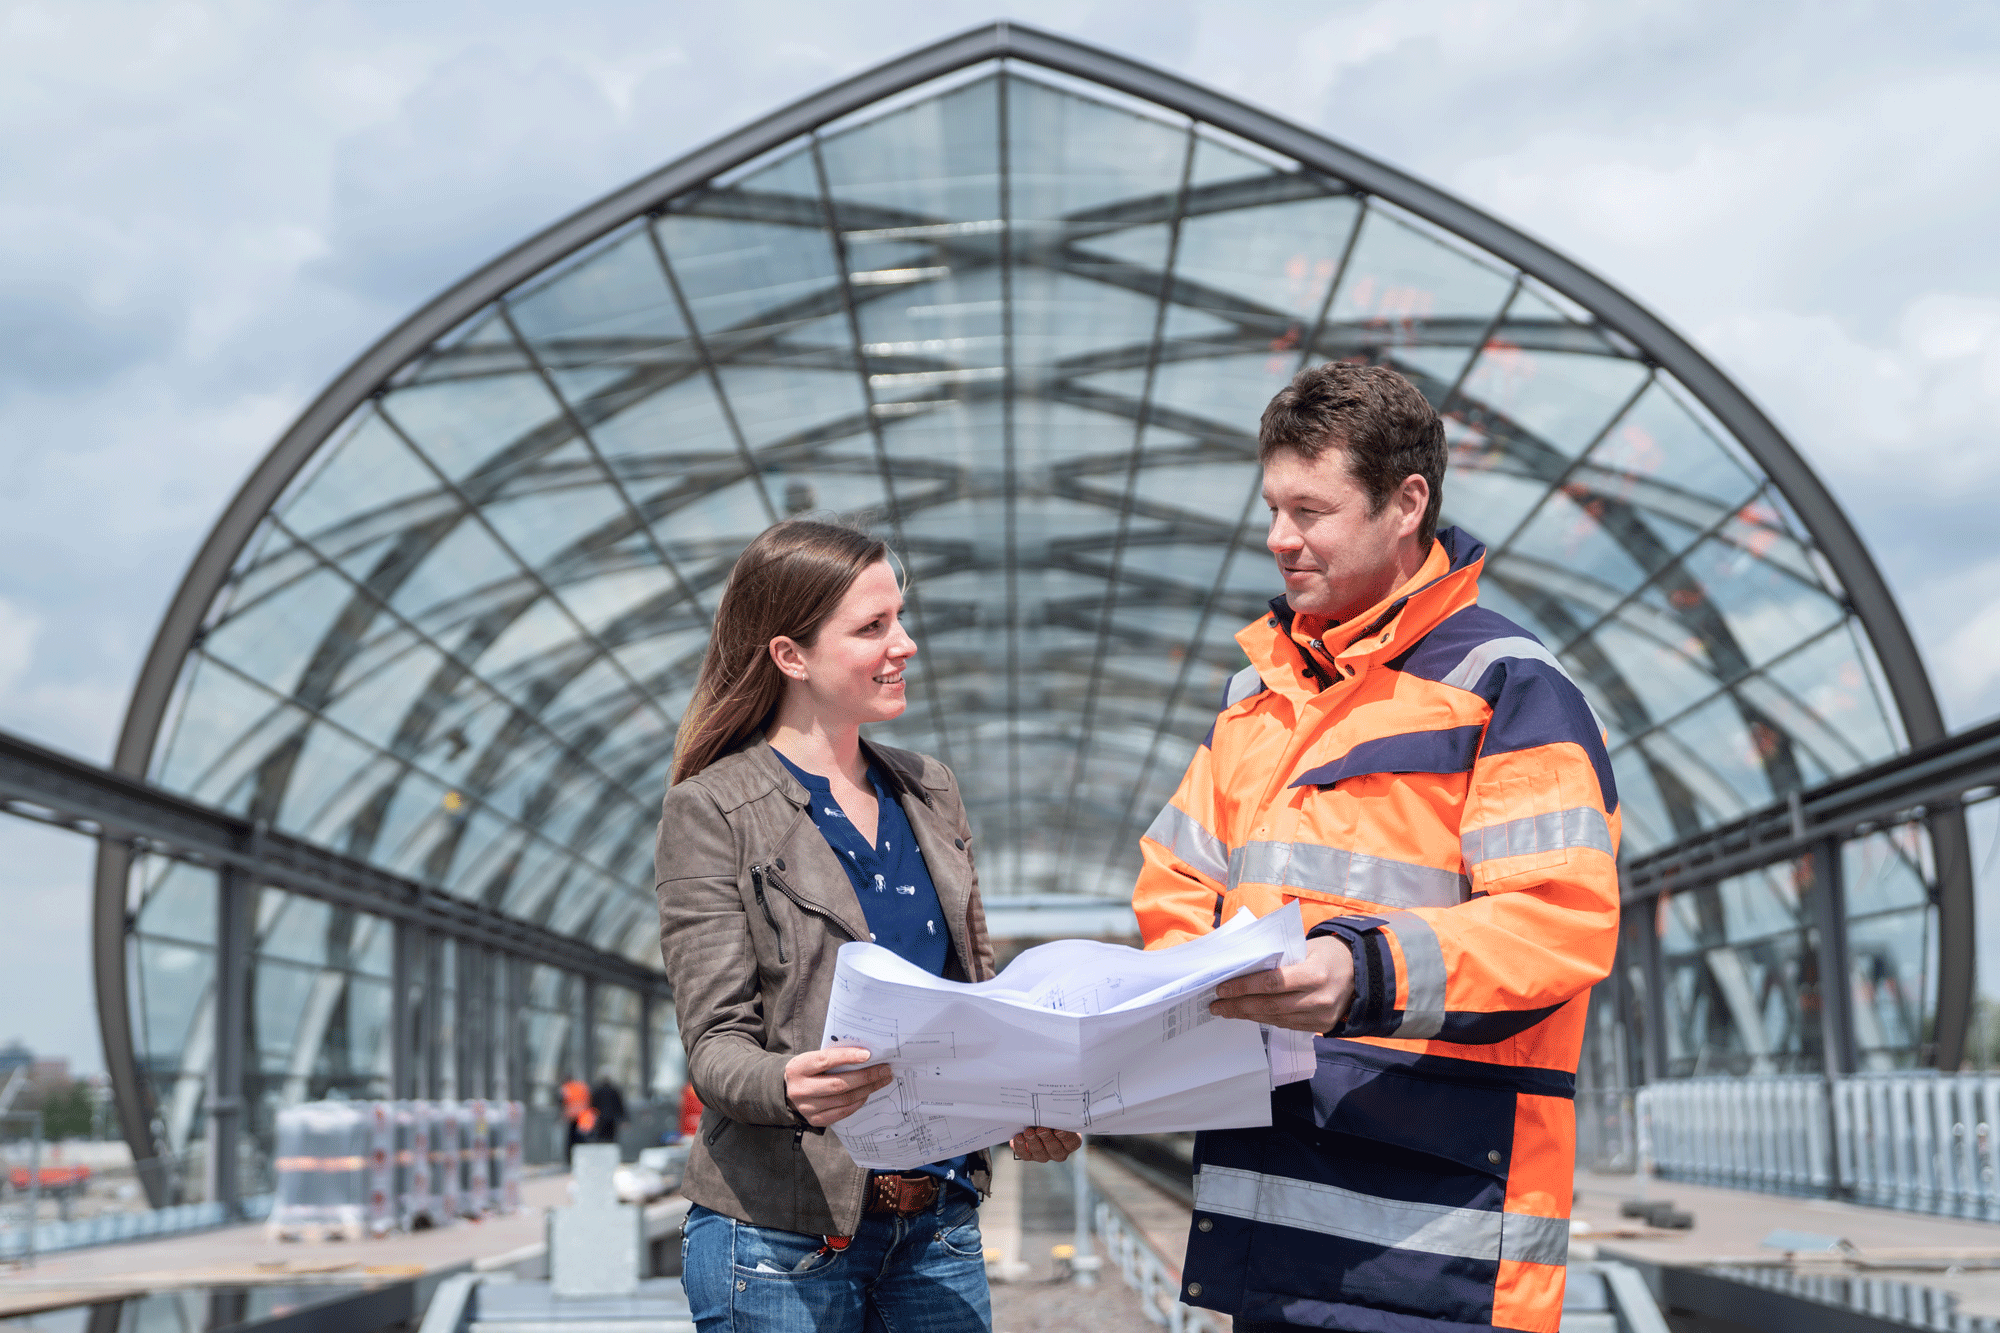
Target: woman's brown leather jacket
{"points": [[753, 907]]}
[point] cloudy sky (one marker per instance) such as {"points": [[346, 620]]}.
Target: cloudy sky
{"points": [[208, 206]]}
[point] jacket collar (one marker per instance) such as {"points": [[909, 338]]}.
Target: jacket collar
{"points": [[1280, 645], [754, 769]]}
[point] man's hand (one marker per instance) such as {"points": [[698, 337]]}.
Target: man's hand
{"points": [[823, 1098], [1311, 996], [1035, 1144]]}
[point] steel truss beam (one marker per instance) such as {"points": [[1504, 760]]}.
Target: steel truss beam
{"points": [[1929, 782], [54, 788]]}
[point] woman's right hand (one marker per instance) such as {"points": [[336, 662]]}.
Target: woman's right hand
{"points": [[822, 1097]]}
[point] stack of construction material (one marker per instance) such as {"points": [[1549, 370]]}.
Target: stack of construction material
{"points": [[346, 1170]]}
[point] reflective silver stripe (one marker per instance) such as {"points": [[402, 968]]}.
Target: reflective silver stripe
{"points": [[1241, 686], [1467, 673], [1368, 879], [1433, 1228], [1180, 833], [1527, 1239], [1423, 975], [1583, 826]]}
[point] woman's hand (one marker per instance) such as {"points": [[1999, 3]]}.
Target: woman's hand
{"points": [[1035, 1144], [823, 1098]]}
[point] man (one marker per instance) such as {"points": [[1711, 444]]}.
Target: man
{"points": [[609, 1105], [578, 1114], [1421, 775]]}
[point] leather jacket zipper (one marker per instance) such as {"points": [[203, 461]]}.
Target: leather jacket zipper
{"points": [[757, 887], [778, 882]]}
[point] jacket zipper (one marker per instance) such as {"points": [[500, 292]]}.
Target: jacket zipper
{"points": [[1313, 669], [757, 887], [778, 883]]}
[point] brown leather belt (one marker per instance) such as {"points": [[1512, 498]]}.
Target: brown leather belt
{"points": [[903, 1195]]}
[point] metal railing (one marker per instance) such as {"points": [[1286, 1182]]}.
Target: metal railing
{"points": [[1922, 1142], [1146, 1273], [23, 1243]]}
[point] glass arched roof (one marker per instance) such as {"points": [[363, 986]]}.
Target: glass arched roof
{"points": [[1023, 325]]}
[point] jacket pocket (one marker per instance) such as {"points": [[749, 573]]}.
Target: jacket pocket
{"points": [[1516, 826], [1415, 1109]]}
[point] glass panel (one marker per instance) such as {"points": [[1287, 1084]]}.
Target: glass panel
{"points": [[320, 793], [464, 559], [172, 999], [748, 280], [1828, 677], [1402, 287], [1070, 155], [369, 470], [1737, 958], [179, 901], [468, 427], [1762, 612], [538, 523], [1731, 751], [1577, 534], [614, 310], [272, 641], [937, 162], [1890, 1013]]}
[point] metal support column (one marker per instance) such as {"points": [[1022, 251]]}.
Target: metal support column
{"points": [[1647, 937], [430, 1025], [235, 891], [491, 1017], [1956, 936], [1836, 990], [645, 1046], [514, 1013], [1836, 986], [402, 1013], [587, 1045], [464, 1018]]}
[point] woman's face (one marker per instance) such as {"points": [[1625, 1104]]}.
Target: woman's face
{"points": [[853, 673]]}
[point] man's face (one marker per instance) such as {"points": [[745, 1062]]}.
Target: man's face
{"points": [[1337, 558]]}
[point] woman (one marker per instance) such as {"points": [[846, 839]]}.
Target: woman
{"points": [[784, 836]]}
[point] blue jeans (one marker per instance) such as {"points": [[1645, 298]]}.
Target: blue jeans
{"points": [[922, 1274]]}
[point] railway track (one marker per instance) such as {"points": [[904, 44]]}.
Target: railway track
{"points": [[1165, 1161]]}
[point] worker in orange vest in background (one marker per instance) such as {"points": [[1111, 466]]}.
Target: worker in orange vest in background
{"points": [[690, 1110], [577, 1110]]}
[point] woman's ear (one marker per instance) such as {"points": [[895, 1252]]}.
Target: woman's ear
{"points": [[788, 658]]}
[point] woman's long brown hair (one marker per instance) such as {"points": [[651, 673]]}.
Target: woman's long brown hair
{"points": [[787, 581]]}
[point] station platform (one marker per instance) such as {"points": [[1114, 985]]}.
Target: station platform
{"points": [[1854, 1268], [237, 1274]]}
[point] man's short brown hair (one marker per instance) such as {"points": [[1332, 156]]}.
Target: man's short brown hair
{"points": [[1387, 428]]}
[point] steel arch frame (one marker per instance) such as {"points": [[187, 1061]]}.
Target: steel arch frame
{"points": [[1862, 582]]}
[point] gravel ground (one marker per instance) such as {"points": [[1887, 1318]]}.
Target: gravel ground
{"points": [[1042, 1302]]}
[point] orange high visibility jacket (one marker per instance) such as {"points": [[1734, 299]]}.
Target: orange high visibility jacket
{"points": [[576, 1106], [1431, 787]]}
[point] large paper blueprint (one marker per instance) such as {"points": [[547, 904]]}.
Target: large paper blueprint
{"points": [[1077, 1035]]}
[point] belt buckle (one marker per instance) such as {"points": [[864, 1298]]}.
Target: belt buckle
{"points": [[906, 1196]]}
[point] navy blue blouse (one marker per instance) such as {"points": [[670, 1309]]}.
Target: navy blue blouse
{"points": [[893, 884], [890, 878]]}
